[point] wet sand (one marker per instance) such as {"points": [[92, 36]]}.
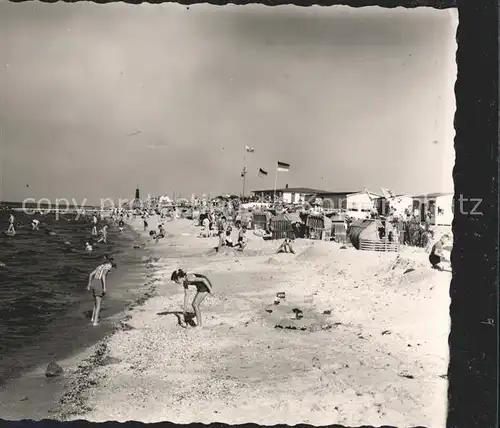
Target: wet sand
{"points": [[379, 356]]}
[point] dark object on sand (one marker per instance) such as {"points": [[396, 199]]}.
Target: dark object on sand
{"points": [[408, 270], [280, 295], [386, 332], [407, 376], [343, 247], [126, 327], [276, 301], [298, 313], [53, 370], [278, 326], [328, 312], [269, 311], [137, 246]]}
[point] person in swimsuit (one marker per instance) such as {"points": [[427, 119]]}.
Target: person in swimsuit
{"points": [[145, 222], [11, 228], [437, 257], [88, 247], [104, 234], [35, 223], [203, 288], [222, 228], [94, 225], [121, 224], [228, 242], [286, 247], [242, 239], [97, 284]]}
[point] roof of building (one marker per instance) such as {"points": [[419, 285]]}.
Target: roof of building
{"points": [[433, 195], [308, 190], [292, 190]]}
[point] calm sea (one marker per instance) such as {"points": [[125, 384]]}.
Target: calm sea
{"points": [[43, 279]]}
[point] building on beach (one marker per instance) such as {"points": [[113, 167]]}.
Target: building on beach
{"points": [[357, 204], [289, 195], [438, 205], [399, 205]]}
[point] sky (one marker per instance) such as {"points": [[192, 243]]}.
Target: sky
{"points": [[97, 99]]}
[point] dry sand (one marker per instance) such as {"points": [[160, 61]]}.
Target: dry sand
{"points": [[380, 357]]}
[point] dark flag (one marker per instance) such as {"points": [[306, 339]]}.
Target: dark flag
{"points": [[262, 173], [282, 166]]}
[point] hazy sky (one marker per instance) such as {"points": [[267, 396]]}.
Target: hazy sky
{"points": [[351, 98]]}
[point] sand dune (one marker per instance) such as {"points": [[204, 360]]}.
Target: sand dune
{"points": [[371, 347]]}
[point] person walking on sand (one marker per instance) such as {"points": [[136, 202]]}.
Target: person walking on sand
{"points": [[203, 288], [97, 284], [437, 257]]}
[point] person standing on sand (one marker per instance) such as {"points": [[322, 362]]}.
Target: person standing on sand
{"points": [[203, 288], [97, 284]]}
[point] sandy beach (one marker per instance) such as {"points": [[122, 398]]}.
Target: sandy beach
{"points": [[379, 354]]}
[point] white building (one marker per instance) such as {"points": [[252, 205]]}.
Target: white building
{"points": [[439, 205], [361, 204]]}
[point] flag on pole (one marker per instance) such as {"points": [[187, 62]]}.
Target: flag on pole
{"points": [[249, 149], [262, 173], [283, 167]]}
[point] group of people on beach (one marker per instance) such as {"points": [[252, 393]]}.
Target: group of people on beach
{"points": [[223, 228]]}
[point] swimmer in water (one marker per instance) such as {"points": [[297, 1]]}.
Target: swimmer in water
{"points": [[203, 288], [121, 224], [88, 247], [104, 234], [11, 228], [97, 284], [94, 225], [35, 223]]}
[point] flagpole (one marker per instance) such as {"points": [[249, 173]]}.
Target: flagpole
{"points": [[275, 181], [244, 173]]}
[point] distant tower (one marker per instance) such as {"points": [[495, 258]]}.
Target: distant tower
{"points": [[137, 203]]}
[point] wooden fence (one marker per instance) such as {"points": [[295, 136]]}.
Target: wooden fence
{"points": [[382, 245]]}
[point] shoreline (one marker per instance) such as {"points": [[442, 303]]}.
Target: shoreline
{"points": [[358, 353], [30, 395]]}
